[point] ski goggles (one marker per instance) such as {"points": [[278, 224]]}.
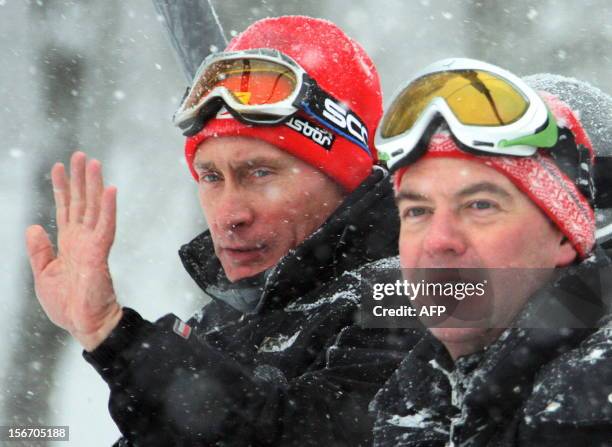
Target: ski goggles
{"points": [[263, 87], [488, 110]]}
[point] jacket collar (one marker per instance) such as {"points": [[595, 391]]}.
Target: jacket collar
{"points": [[364, 228]]}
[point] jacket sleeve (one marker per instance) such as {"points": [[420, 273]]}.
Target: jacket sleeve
{"points": [[172, 389]]}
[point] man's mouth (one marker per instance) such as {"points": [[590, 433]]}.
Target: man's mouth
{"points": [[244, 254]]}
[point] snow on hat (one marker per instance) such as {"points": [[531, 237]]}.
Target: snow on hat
{"points": [[594, 109], [340, 66], [538, 177], [592, 106]]}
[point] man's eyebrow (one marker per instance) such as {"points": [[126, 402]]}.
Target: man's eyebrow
{"points": [[484, 187], [204, 165], [258, 161], [410, 195]]}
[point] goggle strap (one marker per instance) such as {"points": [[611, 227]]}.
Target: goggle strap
{"points": [[574, 160], [585, 179], [602, 174], [333, 114], [547, 137]]}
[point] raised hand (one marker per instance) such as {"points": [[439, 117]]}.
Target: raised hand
{"points": [[74, 286]]}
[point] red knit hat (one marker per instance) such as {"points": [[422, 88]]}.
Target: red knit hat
{"points": [[538, 177], [340, 66]]}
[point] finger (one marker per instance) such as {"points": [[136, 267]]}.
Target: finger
{"points": [[40, 250], [108, 216], [94, 188], [77, 186], [61, 194]]}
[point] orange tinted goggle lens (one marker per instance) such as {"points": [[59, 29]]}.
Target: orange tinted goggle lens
{"points": [[476, 98], [250, 81]]}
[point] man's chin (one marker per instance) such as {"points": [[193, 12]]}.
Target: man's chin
{"points": [[242, 265], [235, 272], [463, 341], [459, 334]]}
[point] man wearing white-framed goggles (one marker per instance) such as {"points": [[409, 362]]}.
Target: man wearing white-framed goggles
{"points": [[263, 87], [522, 218]]}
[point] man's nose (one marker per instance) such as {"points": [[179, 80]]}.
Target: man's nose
{"points": [[234, 210], [444, 235]]}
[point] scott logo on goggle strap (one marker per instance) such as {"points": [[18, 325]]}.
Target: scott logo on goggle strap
{"points": [[320, 136], [345, 120]]}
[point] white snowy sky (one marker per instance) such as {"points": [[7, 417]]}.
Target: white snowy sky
{"points": [[142, 152]]}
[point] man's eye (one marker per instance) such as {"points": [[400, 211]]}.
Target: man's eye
{"points": [[261, 172], [209, 177], [414, 212], [481, 205]]}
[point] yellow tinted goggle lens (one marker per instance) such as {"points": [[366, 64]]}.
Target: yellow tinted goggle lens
{"points": [[476, 97], [251, 81]]}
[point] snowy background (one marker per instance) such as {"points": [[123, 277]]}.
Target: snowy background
{"points": [[100, 76]]}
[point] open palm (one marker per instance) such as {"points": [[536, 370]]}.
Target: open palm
{"points": [[74, 286]]}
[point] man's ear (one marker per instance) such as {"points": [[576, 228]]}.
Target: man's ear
{"points": [[567, 253]]}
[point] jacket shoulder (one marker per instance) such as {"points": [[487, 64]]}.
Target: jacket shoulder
{"points": [[575, 388], [346, 289]]}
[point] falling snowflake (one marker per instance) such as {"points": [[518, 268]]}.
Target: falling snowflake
{"points": [[532, 14], [553, 406], [15, 152]]}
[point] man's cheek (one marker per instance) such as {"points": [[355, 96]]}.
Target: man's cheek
{"points": [[408, 251], [272, 194], [504, 248]]}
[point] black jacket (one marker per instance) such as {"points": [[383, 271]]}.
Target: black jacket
{"points": [[294, 371], [535, 386]]}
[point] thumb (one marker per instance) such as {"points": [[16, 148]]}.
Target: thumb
{"points": [[40, 250]]}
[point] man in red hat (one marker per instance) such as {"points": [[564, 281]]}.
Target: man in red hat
{"points": [[533, 367], [280, 130]]}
